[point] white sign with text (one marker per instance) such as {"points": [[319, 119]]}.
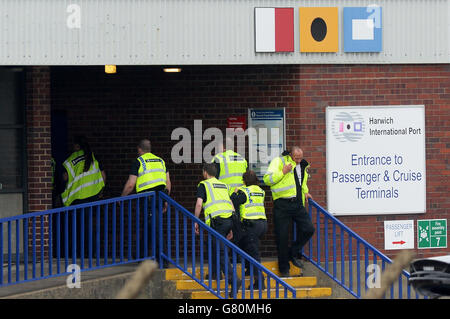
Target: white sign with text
{"points": [[376, 160], [398, 234]]}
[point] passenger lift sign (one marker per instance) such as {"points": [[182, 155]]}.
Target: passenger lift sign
{"points": [[398, 234]]}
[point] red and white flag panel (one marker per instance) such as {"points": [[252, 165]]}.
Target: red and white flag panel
{"points": [[274, 29]]}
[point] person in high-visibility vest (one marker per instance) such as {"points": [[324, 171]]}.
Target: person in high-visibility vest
{"points": [[250, 200], [85, 179], [230, 166], [287, 177], [213, 199], [148, 173], [84, 175]]}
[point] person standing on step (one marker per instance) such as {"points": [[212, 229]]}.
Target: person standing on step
{"points": [[250, 200], [287, 177], [213, 199], [230, 166], [84, 179], [148, 174]]}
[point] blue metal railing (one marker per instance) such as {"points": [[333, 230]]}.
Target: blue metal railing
{"points": [[349, 252], [94, 235], [122, 230], [194, 252]]}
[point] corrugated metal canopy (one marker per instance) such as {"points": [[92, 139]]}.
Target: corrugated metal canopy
{"points": [[178, 32]]}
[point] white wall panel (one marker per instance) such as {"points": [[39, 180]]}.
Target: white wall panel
{"points": [[163, 32]]}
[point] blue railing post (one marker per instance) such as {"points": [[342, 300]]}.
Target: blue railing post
{"points": [[122, 238], [42, 246], [105, 240], [25, 249], [169, 237], [97, 236], [113, 234], [58, 243], [318, 239], [33, 243], [1, 253], [130, 239], [160, 234], [153, 230], [177, 238], [137, 229], [358, 268], [74, 237], [325, 229], [82, 234], [18, 251], [9, 252], [91, 244], [145, 199], [192, 246]]}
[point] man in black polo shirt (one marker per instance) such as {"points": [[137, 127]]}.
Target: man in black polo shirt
{"points": [[148, 173]]}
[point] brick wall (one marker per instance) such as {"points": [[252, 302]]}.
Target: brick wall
{"points": [[38, 138], [115, 111], [38, 114]]}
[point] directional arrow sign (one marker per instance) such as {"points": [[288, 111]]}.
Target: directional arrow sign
{"points": [[399, 234]]}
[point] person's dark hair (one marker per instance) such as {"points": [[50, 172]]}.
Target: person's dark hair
{"points": [[84, 145], [145, 145], [210, 168], [250, 178]]}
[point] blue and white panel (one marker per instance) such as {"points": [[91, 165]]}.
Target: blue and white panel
{"points": [[363, 29]]}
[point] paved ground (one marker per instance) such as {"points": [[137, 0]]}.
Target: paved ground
{"points": [[61, 280]]}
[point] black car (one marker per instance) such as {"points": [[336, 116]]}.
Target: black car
{"points": [[431, 276]]}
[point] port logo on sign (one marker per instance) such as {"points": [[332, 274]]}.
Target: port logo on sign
{"points": [[348, 126]]}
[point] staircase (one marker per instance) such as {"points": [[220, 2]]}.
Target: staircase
{"points": [[305, 286]]}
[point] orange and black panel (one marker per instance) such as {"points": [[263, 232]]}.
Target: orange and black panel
{"points": [[319, 29]]}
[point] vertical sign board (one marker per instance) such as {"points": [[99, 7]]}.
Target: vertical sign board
{"points": [[398, 234], [432, 233], [266, 134], [376, 160]]}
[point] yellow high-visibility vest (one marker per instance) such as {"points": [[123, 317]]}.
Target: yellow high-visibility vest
{"points": [[282, 186], [151, 173], [81, 184], [253, 208], [218, 202], [232, 167]]}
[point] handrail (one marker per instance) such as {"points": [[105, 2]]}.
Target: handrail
{"points": [[193, 250], [98, 231], [90, 236], [319, 252]]}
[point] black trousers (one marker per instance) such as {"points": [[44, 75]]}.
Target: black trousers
{"points": [[223, 227], [286, 211], [253, 230]]}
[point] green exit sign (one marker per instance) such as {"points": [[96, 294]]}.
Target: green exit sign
{"points": [[432, 233]]}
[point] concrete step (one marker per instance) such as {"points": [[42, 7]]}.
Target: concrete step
{"points": [[300, 292], [293, 281], [177, 274], [305, 286]]}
